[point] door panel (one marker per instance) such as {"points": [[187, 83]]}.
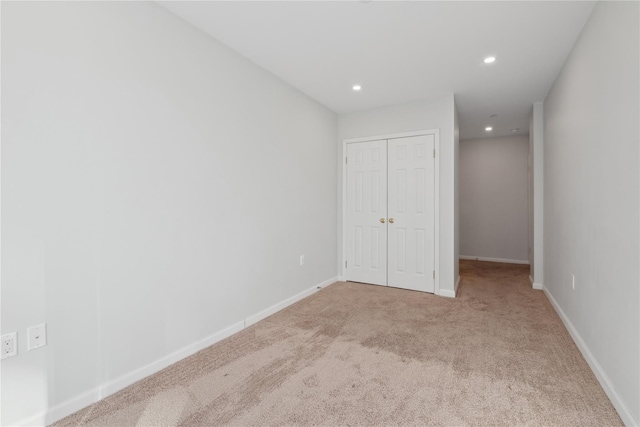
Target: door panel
{"points": [[366, 205], [411, 208]]}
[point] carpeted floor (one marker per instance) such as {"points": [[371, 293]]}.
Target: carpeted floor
{"points": [[355, 354]]}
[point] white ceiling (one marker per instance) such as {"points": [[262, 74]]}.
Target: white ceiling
{"points": [[402, 51]]}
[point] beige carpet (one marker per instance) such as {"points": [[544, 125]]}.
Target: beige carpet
{"points": [[355, 354]]}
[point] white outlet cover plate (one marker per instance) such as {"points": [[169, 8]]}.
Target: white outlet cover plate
{"points": [[37, 336], [13, 338]]}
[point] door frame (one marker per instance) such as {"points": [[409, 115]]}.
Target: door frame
{"points": [[436, 207]]}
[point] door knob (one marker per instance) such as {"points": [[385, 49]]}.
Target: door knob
{"points": [[382, 220], [390, 220]]}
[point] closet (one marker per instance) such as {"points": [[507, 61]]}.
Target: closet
{"points": [[390, 222]]}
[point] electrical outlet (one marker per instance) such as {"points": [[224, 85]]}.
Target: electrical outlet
{"points": [[301, 259], [9, 345], [573, 281], [37, 336]]}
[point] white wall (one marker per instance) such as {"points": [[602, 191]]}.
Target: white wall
{"points": [[456, 197], [493, 198], [530, 198], [157, 188], [415, 116], [591, 206], [536, 149]]}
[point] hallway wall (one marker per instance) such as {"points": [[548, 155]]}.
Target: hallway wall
{"points": [[494, 198]]}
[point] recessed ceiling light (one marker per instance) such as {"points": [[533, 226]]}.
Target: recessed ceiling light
{"points": [[489, 59], [357, 87], [488, 128], [515, 130]]}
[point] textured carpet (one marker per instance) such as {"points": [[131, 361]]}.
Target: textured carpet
{"points": [[355, 354]]}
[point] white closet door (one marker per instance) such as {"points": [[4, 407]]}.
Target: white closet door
{"points": [[411, 213], [366, 211]]}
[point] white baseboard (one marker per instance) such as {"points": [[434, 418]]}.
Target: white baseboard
{"points": [[507, 261], [83, 400], [534, 285], [626, 415], [283, 304], [39, 419], [447, 292], [75, 404]]}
